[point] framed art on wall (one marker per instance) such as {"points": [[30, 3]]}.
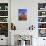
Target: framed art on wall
{"points": [[22, 14], [42, 32]]}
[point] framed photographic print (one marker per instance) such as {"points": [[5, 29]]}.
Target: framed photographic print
{"points": [[22, 14], [3, 19], [42, 32], [4, 29]]}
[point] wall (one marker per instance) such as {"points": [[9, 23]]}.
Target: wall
{"points": [[32, 7]]}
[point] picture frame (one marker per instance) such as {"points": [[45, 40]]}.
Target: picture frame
{"points": [[22, 14]]}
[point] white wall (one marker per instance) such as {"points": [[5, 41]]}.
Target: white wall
{"points": [[32, 12], [32, 8]]}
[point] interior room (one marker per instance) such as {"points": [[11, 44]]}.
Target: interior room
{"points": [[22, 22]]}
